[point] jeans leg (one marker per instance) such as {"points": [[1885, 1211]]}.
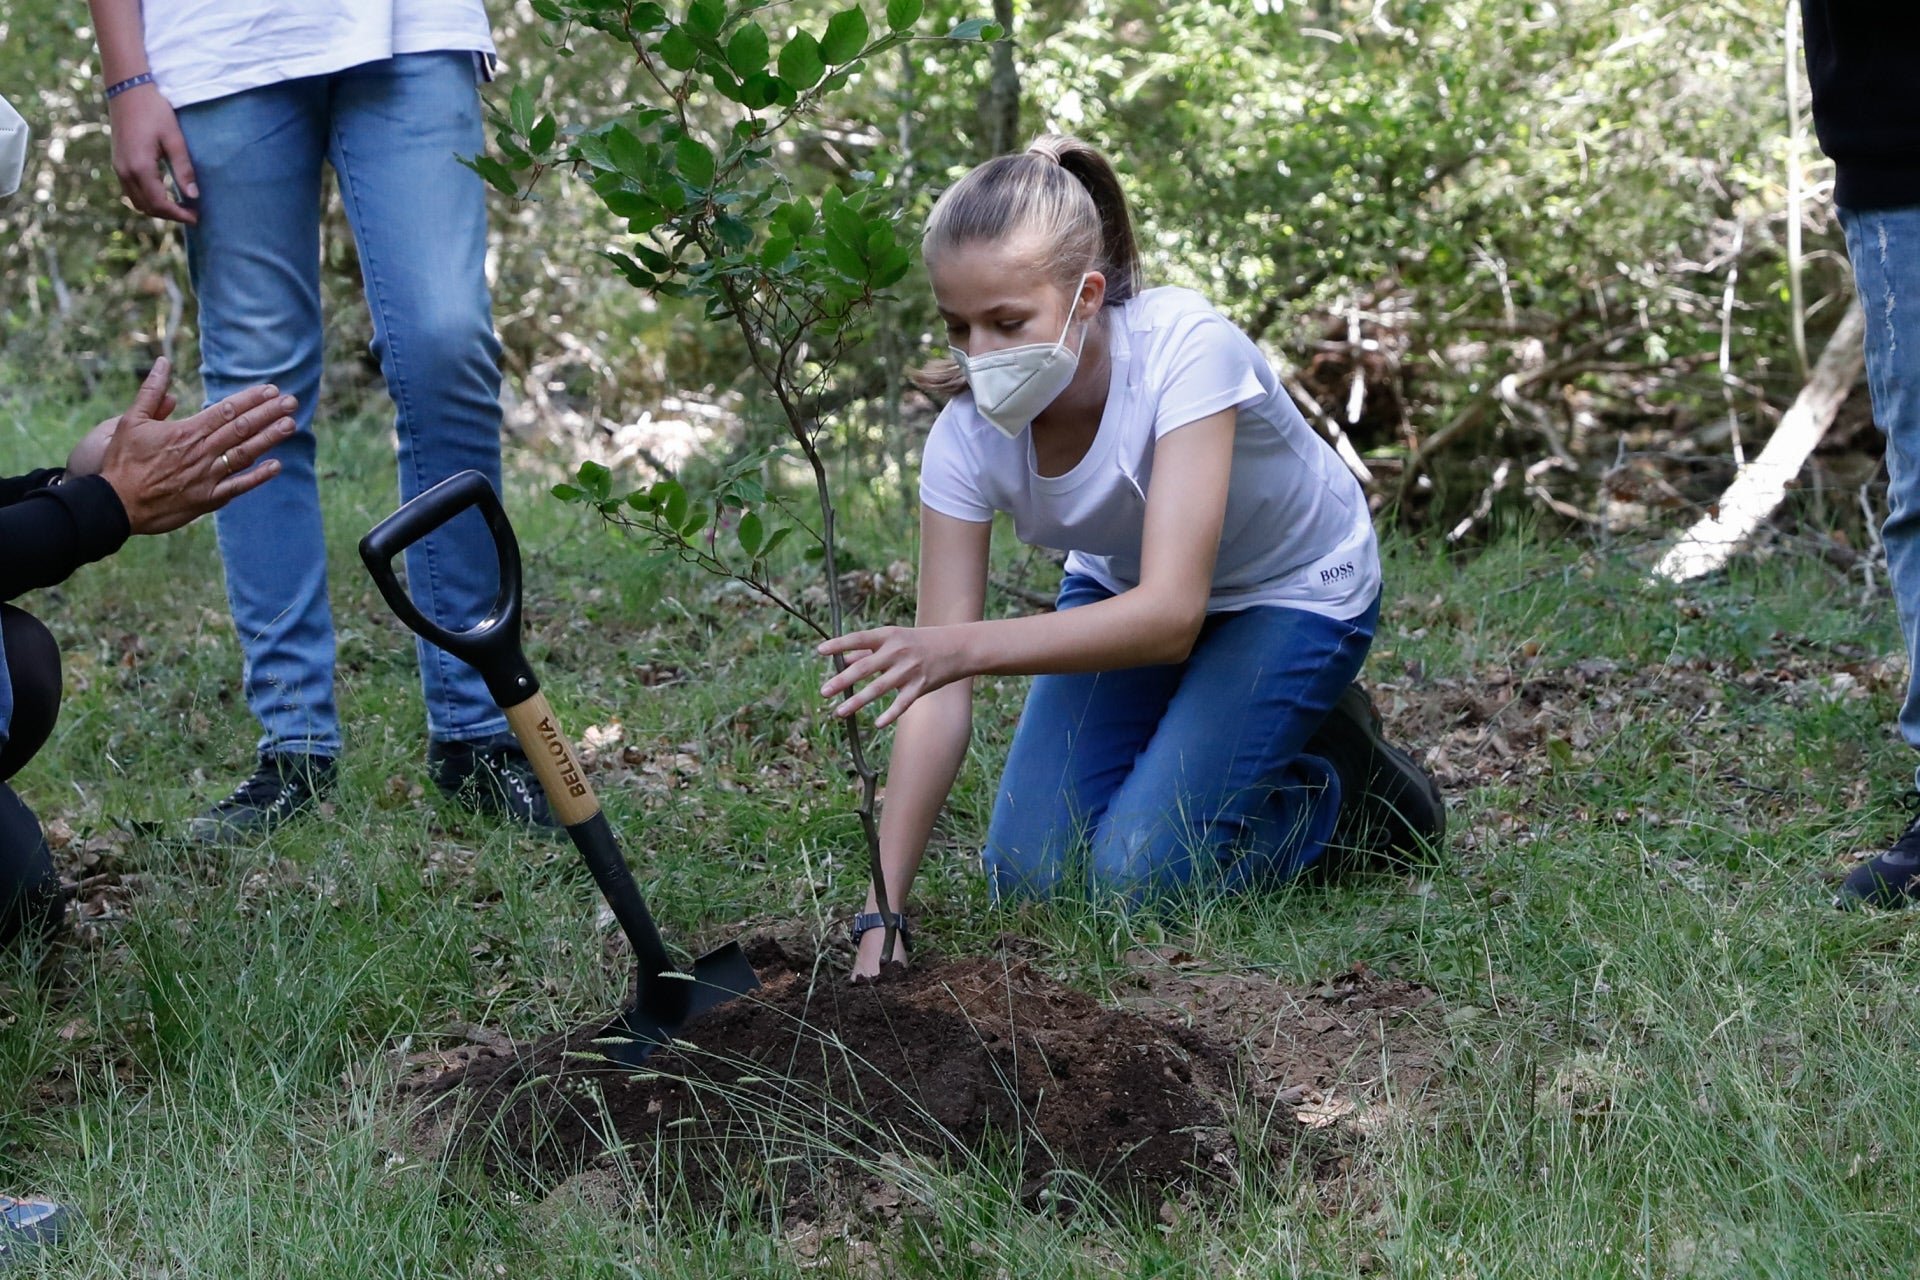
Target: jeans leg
{"points": [[1885, 248], [1077, 738], [420, 220], [1222, 794], [255, 262]]}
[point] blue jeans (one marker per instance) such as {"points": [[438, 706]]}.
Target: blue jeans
{"points": [[1150, 779], [1885, 247], [391, 130]]}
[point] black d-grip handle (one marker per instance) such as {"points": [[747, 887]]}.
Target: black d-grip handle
{"points": [[492, 645]]}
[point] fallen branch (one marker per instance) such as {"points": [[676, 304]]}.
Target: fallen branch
{"points": [[1758, 489]]}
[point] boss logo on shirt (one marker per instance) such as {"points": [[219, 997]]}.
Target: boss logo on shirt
{"points": [[1338, 573]]}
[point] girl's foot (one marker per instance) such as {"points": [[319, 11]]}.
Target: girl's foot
{"points": [[870, 939], [1391, 809]]}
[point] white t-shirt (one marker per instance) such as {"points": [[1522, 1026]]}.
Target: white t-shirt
{"points": [[204, 49], [1297, 529]]}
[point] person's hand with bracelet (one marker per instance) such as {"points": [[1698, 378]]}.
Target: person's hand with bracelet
{"points": [[146, 136]]}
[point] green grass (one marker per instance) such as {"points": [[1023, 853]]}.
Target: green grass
{"points": [[1668, 1055]]}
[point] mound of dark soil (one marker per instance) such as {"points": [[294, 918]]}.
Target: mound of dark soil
{"points": [[948, 1061]]}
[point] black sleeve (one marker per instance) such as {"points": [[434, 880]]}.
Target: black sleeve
{"points": [[14, 488], [47, 533]]}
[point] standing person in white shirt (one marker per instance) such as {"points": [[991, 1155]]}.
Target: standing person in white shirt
{"points": [[1194, 720], [223, 113]]}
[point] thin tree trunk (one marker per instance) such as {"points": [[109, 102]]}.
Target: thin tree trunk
{"points": [[1000, 107], [1759, 488]]}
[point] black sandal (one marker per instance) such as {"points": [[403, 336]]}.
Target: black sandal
{"points": [[874, 920]]}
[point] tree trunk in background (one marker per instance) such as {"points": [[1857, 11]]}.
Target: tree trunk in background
{"points": [[1000, 107], [1758, 489]]}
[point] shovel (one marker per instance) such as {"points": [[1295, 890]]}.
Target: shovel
{"points": [[665, 997]]}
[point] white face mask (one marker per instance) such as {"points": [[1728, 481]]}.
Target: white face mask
{"points": [[1011, 387], [13, 149]]}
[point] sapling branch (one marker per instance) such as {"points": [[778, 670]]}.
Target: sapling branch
{"points": [[807, 439], [690, 199]]}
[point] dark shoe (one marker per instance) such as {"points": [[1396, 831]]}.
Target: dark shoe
{"points": [[28, 1223], [1390, 809], [281, 787], [493, 777], [1890, 879]]}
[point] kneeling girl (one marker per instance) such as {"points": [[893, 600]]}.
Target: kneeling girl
{"points": [[1222, 583]]}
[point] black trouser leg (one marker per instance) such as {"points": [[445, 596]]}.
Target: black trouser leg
{"points": [[29, 886]]}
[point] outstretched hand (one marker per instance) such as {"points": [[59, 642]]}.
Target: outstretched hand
{"points": [[906, 661], [170, 473]]}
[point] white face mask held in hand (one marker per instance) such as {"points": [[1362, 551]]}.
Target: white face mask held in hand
{"points": [[1011, 387], [13, 149]]}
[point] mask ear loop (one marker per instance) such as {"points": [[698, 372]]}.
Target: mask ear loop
{"points": [[1071, 308]]}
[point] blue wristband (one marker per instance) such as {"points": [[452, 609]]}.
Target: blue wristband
{"points": [[115, 90]]}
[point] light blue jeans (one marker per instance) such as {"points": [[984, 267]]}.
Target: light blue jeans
{"points": [[392, 131], [1885, 248], [1140, 782]]}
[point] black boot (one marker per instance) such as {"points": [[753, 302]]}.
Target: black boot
{"points": [[281, 787], [492, 777], [1391, 810], [1889, 879]]}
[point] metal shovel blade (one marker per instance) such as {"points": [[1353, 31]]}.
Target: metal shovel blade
{"points": [[669, 1001]]}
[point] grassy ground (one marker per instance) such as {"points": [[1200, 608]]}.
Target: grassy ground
{"points": [[1668, 1055]]}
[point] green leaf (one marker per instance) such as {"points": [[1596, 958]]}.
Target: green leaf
{"points": [[642, 214], [747, 51], [707, 16], [520, 109], [696, 520], [751, 532], [677, 49], [800, 63], [640, 500], [630, 156], [636, 276], [596, 480], [568, 492], [775, 539], [653, 259], [775, 252], [541, 136], [976, 29], [510, 151], [846, 37], [733, 233], [845, 258], [671, 499], [891, 268], [694, 161], [902, 14], [496, 174], [797, 217], [843, 219], [549, 10], [759, 91]]}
